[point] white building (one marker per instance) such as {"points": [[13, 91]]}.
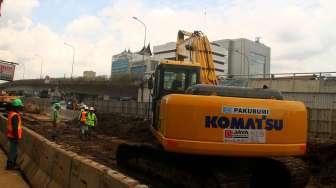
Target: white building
{"points": [[142, 65], [220, 55], [234, 57], [247, 58]]}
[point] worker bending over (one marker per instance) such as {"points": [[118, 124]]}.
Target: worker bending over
{"points": [[14, 132], [91, 120]]}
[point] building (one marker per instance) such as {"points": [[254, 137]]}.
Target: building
{"points": [[89, 74], [232, 57], [241, 58], [141, 66], [247, 58], [220, 55], [137, 64], [143, 63], [120, 62]]}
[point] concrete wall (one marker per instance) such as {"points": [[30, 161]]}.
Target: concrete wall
{"points": [[296, 85], [322, 123], [46, 164], [313, 100]]}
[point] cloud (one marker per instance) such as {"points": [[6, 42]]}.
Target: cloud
{"points": [[85, 27], [300, 33], [16, 9]]}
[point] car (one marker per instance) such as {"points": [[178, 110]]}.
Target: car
{"points": [[125, 98]]}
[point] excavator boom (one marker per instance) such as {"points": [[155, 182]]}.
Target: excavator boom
{"points": [[198, 46]]}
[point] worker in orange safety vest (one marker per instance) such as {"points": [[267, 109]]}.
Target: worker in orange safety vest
{"points": [[82, 123], [14, 132]]}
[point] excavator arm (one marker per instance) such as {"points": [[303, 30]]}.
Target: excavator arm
{"points": [[199, 49]]}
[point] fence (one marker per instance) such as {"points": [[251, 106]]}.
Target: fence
{"points": [[124, 107]]}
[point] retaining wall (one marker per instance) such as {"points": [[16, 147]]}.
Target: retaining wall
{"points": [[46, 164]]}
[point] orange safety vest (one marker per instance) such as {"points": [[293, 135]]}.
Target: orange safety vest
{"points": [[9, 131], [83, 117]]}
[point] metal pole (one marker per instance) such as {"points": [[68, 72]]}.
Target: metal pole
{"points": [[73, 57], [73, 62], [24, 70], [144, 46], [41, 64], [41, 69]]}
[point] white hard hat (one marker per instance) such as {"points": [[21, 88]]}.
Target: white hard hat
{"points": [[91, 108], [85, 107]]}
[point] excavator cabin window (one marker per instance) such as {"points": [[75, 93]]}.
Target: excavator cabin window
{"points": [[179, 80], [174, 81]]}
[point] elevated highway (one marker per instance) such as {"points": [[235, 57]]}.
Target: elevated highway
{"points": [[87, 87]]}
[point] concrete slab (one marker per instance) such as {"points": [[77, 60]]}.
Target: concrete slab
{"points": [[10, 179]]}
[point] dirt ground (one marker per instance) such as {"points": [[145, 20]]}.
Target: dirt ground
{"points": [[321, 158], [112, 127]]}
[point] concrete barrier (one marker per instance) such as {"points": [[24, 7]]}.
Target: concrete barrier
{"points": [[47, 165]]}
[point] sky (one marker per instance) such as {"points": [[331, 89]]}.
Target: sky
{"points": [[301, 33]]}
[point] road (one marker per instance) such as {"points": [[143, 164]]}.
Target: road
{"points": [[10, 179]]}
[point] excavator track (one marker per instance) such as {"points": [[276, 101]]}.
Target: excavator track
{"points": [[298, 170], [181, 170]]}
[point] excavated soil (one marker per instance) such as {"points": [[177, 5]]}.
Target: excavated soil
{"points": [[110, 129], [321, 155]]}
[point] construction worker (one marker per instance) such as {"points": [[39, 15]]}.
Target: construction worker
{"points": [[14, 132], [55, 117], [80, 111], [91, 120], [82, 123]]}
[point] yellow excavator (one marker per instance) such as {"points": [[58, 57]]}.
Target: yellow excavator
{"points": [[208, 135]]}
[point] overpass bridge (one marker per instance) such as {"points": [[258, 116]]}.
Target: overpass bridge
{"points": [[75, 86]]}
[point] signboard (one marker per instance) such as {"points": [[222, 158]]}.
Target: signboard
{"points": [[7, 71]]}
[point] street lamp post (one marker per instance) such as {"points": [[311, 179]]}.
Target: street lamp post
{"points": [[41, 64], [144, 46], [137, 19], [73, 57], [23, 70]]}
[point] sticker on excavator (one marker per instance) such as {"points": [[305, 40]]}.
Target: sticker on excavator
{"points": [[244, 135]]}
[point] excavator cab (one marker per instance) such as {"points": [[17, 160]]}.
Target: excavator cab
{"points": [[172, 77]]}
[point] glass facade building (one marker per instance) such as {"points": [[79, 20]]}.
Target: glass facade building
{"points": [[120, 66]]}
